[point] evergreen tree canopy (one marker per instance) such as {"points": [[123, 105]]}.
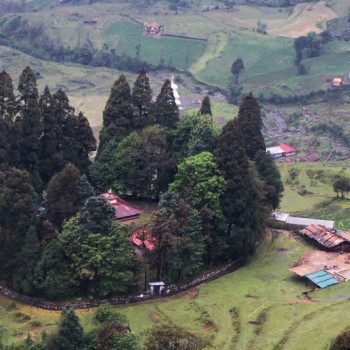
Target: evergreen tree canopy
{"points": [[86, 190], [269, 174], [96, 215], [250, 123], [103, 260], [27, 86], [236, 69], [240, 203], [52, 159], [104, 171], [203, 136], [24, 277], [165, 109], [182, 135], [18, 203], [7, 98], [70, 335], [143, 160], [199, 181], [180, 243], [29, 121], [55, 277], [119, 115], [141, 98], [85, 142], [63, 195], [206, 107]]}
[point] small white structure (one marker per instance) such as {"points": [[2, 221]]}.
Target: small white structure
{"points": [[175, 92], [156, 287]]}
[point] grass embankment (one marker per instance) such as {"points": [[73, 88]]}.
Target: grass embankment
{"points": [[260, 306]]}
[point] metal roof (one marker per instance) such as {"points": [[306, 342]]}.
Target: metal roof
{"points": [[274, 150], [306, 222], [322, 279], [287, 149], [324, 236], [123, 209]]}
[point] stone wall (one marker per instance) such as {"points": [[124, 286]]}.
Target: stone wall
{"points": [[168, 291]]}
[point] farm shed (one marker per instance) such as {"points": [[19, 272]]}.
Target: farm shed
{"points": [[124, 212], [283, 150], [337, 265], [326, 238]]}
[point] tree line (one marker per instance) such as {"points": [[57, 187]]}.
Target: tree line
{"points": [[214, 189]]}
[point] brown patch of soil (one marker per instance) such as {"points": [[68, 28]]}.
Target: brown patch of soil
{"points": [[209, 325], [155, 317], [193, 294]]}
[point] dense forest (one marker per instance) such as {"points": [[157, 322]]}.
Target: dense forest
{"points": [[214, 187]]}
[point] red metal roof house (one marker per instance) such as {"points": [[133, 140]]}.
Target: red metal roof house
{"points": [[124, 212]]}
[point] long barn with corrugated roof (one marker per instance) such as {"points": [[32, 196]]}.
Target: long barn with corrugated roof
{"points": [[326, 238]]}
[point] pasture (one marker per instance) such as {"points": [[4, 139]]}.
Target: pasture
{"points": [[230, 33], [309, 191], [260, 306]]}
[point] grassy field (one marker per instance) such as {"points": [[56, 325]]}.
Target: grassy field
{"points": [[177, 52], [221, 311], [231, 34], [309, 191]]}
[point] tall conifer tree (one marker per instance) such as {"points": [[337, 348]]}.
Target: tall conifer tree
{"points": [[7, 98], [70, 335], [165, 109], [119, 114], [63, 195], [250, 123], [86, 142], [30, 254], [240, 203], [52, 159], [29, 120], [18, 208], [141, 98]]}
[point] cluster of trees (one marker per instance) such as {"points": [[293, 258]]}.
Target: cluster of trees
{"points": [[341, 185], [216, 185], [44, 152], [309, 46], [214, 188]]}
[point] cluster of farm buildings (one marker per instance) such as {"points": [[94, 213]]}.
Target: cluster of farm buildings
{"points": [[331, 263]]}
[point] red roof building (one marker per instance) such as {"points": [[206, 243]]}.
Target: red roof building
{"points": [[144, 239], [124, 212], [288, 150]]}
